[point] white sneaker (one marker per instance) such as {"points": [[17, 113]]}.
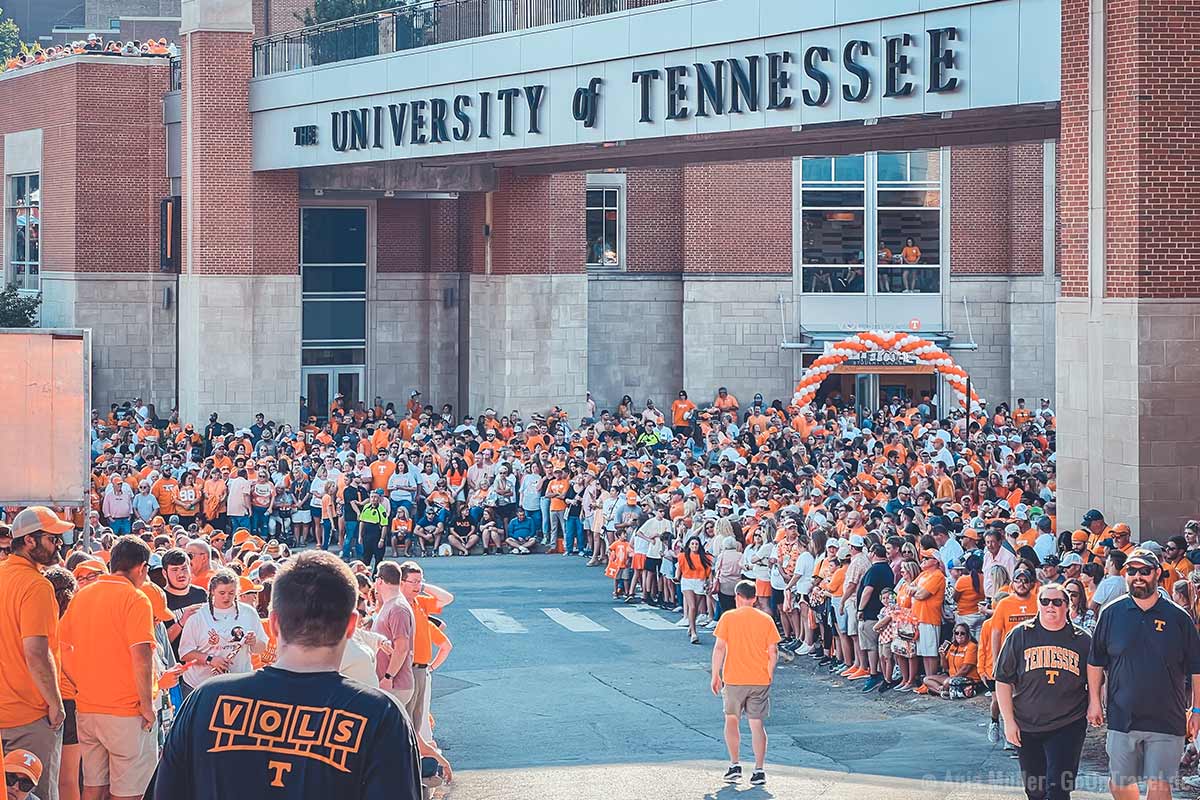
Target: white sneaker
{"points": [[710, 624], [683, 623], [703, 619], [993, 732], [1191, 781], [805, 649]]}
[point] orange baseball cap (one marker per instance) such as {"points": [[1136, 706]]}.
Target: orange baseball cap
{"points": [[158, 602], [247, 585], [1079, 536], [1120, 527], [158, 521], [23, 762], [240, 535], [91, 566], [38, 519]]}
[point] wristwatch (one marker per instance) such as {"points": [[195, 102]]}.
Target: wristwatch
{"points": [[1196, 709], [388, 675], [208, 659]]}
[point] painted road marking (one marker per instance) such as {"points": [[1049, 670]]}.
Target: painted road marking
{"points": [[497, 621], [573, 622], [645, 618]]}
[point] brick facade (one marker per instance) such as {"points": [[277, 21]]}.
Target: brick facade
{"points": [[103, 165], [1072, 154], [738, 217], [654, 220], [996, 210]]}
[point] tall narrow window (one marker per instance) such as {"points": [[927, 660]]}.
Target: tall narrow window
{"points": [[23, 218], [833, 222], [909, 208], [603, 220]]}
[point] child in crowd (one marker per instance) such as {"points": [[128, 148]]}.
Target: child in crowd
{"points": [[619, 553]]}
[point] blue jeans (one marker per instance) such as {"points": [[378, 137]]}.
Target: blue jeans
{"points": [[351, 547], [120, 526], [545, 517], [260, 522], [241, 522], [535, 518], [476, 514], [574, 535], [327, 527]]}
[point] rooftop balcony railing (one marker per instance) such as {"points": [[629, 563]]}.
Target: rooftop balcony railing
{"points": [[416, 25]]}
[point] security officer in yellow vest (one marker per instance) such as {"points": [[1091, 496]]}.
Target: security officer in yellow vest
{"points": [[373, 522]]}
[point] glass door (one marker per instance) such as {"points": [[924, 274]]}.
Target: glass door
{"points": [[865, 395], [323, 384], [317, 392]]}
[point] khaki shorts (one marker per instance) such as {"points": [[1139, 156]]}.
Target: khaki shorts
{"points": [[751, 702], [117, 753], [868, 637]]}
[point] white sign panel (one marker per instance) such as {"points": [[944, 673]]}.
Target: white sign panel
{"points": [[544, 88]]}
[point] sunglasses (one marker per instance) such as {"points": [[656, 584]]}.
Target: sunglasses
{"points": [[1139, 571], [960, 633], [21, 782], [1057, 602]]}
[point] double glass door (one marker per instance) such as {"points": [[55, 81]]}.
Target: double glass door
{"points": [[323, 384]]}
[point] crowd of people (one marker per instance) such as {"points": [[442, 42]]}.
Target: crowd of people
{"points": [[899, 549], [94, 44]]}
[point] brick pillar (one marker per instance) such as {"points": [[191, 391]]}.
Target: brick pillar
{"points": [[239, 300], [1129, 316]]}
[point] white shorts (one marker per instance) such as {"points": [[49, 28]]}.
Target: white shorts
{"points": [[667, 569], [692, 585], [927, 640], [850, 607], [302, 517]]}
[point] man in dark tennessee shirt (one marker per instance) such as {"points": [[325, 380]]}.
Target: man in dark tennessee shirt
{"points": [[296, 729]]}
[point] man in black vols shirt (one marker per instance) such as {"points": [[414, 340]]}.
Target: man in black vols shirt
{"points": [[1042, 689], [297, 729]]}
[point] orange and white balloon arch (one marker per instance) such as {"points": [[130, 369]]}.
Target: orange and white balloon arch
{"points": [[925, 351]]}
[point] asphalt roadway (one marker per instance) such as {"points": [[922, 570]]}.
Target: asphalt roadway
{"points": [[583, 702]]}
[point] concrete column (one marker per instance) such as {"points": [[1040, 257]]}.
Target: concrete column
{"points": [[239, 291], [1128, 329]]}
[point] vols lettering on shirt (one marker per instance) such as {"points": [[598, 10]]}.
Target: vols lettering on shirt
{"points": [[327, 735], [1052, 660]]}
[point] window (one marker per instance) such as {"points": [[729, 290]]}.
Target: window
{"points": [[833, 225], [23, 219], [909, 208], [603, 221], [893, 199], [333, 276]]}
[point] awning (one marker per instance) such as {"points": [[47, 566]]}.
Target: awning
{"points": [[815, 341]]}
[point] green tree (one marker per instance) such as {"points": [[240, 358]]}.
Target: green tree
{"points": [[329, 10], [10, 37], [18, 310]]}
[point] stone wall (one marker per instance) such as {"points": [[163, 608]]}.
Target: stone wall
{"points": [[1011, 319], [731, 338], [133, 336], [634, 338], [1129, 381], [528, 345], [239, 350], [413, 337]]}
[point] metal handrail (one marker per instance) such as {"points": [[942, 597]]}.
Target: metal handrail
{"points": [[418, 24]]}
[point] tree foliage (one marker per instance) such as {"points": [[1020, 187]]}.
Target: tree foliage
{"points": [[10, 37], [329, 10], [18, 310]]}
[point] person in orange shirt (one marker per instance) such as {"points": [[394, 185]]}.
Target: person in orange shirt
{"points": [[960, 660], [200, 554], [31, 703], [743, 667], [725, 401], [1018, 607], [166, 491], [680, 409], [928, 595], [114, 674], [425, 599]]}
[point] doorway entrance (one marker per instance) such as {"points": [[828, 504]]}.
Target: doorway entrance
{"points": [[323, 384]]}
